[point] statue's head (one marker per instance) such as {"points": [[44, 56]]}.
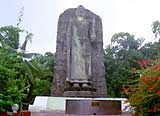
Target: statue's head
{"points": [[81, 11]]}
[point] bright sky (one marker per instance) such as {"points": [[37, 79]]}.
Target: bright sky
{"points": [[41, 17]]}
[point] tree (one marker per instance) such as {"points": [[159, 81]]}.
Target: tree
{"points": [[20, 71], [9, 36], [145, 93], [156, 29], [150, 50], [126, 41], [13, 81], [27, 38], [120, 57], [40, 71]]}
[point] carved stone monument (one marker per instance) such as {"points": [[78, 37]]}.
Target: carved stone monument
{"points": [[79, 69]]}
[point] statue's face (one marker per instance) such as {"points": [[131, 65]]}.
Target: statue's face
{"points": [[81, 11]]}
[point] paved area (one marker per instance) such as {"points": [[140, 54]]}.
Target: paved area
{"points": [[61, 114]]}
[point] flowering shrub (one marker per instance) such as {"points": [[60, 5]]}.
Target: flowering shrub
{"points": [[145, 63], [144, 96]]}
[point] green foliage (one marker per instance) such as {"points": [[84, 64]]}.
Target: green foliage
{"points": [[156, 28], [20, 72], [27, 38], [151, 50], [126, 41], [13, 83], [120, 57], [123, 55], [40, 71], [9, 36]]}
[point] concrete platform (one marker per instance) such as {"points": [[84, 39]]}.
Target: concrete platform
{"points": [[62, 114]]}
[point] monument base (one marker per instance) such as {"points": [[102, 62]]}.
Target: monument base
{"points": [[84, 94], [66, 105]]}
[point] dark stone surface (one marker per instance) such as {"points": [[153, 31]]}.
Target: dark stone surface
{"points": [[87, 94], [93, 107], [80, 89], [94, 50]]}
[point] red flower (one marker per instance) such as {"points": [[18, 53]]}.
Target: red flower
{"points": [[150, 110], [126, 90], [143, 78], [145, 63], [155, 109], [135, 100], [157, 78], [149, 81], [151, 89], [156, 67], [158, 92]]}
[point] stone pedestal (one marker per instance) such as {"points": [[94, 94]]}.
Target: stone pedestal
{"points": [[87, 92], [95, 105]]}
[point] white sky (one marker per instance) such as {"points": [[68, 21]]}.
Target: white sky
{"points": [[41, 16]]}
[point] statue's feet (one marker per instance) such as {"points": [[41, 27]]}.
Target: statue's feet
{"points": [[76, 85], [85, 85]]}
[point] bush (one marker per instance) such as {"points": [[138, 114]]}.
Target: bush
{"points": [[12, 81]]}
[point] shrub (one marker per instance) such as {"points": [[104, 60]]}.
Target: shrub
{"points": [[12, 81]]}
